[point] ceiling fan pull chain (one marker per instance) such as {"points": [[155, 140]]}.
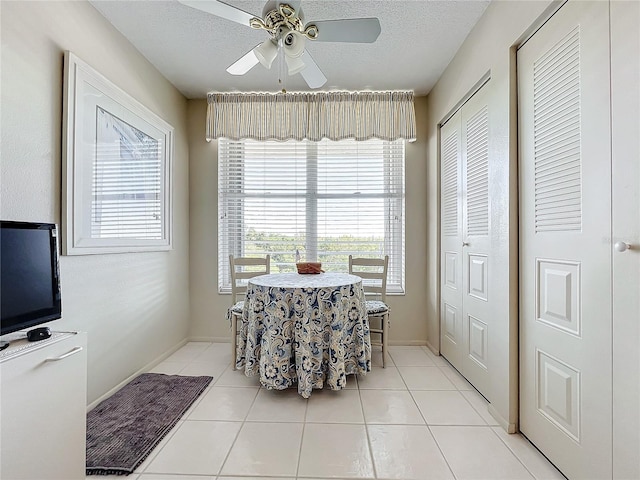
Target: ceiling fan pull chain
{"points": [[282, 76]]}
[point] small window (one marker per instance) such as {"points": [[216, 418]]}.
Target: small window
{"points": [[117, 171]]}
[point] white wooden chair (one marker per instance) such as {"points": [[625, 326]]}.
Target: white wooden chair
{"points": [[373, 272], [242, 269]]}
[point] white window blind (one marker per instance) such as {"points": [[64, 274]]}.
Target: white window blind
{"points": [[311, 201], [127, 200], [116, 177]]}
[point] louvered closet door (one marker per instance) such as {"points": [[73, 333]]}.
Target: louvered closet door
{"points": [[565, 247], [476, 260], [466, 298], [451, 288]]}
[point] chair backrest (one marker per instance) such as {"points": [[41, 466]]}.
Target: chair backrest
{"points": [[244, 268], [373, 272]]}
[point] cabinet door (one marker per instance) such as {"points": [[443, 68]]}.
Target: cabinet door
{"points": [[43, 429]]}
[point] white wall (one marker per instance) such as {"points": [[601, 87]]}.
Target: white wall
{"points": [[208, 308], [135, 307], [487, 48]]}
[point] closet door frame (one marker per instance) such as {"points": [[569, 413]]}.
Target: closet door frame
{"points": [[625, 124]]}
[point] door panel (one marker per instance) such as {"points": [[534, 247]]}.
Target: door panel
{"points": [[476, 234], [465, 240], [565, 250], [451, 341]]}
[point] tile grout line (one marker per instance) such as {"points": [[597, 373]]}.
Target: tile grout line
{"points": [[474, 408], [165, 440], [242, 424], [141, 474], [435, 440], [366, 431], [517, 456], [304, 426], [432, 435], [152, 456], [427, 423], [459, 390]]}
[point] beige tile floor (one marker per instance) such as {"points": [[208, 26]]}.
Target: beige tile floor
{"points": [[417, 419]]}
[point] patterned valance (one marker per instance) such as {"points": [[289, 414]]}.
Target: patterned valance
{"points": [[312, 116]]}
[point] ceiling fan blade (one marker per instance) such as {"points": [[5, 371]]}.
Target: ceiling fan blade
{"points": [[354, 30], [220, 9], [311, 72], [244, 63]]}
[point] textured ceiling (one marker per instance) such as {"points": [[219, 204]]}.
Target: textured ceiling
{"points": [[192, 49]]}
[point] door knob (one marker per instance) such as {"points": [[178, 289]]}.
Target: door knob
{"points": [[465, 244], [621, 246]]}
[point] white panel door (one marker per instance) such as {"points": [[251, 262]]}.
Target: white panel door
{"points": [[465, 241], [565, 246], [451, 288], [476, 230]]}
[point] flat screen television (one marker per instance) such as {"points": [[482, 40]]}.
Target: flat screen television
{"points": [[30, 278]]}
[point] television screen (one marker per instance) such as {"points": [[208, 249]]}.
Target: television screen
{"points": [[29, 281]]}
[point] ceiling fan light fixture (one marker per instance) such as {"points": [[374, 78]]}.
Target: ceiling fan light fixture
{"points": [[294, 64], [293, 43], [284, 22], [266, 53]]}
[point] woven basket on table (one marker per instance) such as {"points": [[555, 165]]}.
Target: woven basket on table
{"points": [[309, 267]]}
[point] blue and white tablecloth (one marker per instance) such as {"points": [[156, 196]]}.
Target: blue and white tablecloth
{"points": [[306, 329]]}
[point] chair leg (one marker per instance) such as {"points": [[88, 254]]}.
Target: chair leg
{"points": [[385, 336], [234, 339]]}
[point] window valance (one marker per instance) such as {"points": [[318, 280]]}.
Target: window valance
{"points": [[312, 116]]}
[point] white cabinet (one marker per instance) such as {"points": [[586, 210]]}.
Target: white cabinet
{"points": [[43, 393]]}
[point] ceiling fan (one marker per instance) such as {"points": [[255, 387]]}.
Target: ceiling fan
{"points": [[284, 22]]}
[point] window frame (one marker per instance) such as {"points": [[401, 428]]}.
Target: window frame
{"points": [[394, 205], [86, 92]]}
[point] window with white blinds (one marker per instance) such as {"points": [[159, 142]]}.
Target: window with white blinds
{"points": [[311, 201], [117, 175], [127, 183]]}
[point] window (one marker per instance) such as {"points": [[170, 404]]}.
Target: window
{"points": [[311, 201], [117, 189], [126, 199]]}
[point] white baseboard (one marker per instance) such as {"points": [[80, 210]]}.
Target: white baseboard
{"points": [[210, 339], [399, 343], [407, 343], [509, 427], [164, 356], [433, 349], [144, 369]]}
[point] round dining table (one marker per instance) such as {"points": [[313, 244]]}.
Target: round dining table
{"points": [[309, 329]]}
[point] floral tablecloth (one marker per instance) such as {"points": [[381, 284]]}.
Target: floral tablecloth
{"points": [[306, 329]]}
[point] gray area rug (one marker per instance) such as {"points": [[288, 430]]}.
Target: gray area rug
{"points": [[125, 428]]}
